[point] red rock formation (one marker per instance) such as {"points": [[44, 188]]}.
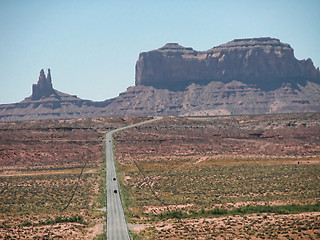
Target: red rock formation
{"points": [[265, 63], [250, 76], [44, 86]]}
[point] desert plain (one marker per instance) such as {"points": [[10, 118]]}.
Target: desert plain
{"points": [[52, 178], [224, 177], [228, 177]]}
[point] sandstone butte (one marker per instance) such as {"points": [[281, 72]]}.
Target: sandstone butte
{"points": [[244, 76], [263, 62]]}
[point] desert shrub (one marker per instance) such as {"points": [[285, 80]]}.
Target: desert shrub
{"points": [[74, 219], [27, 224], [173, 214], [284, 209], [217, 211], [100, 237]]}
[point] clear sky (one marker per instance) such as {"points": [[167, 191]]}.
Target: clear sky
{"points": [[91, 46]]}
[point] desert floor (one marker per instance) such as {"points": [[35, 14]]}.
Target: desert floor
{"points": [[232, 177], [52, 178]]}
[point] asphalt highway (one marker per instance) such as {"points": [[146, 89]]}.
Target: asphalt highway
{"points": [[117, 228]]}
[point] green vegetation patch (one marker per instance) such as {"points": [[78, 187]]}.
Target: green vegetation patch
{"points": [[207, 187], [73, 219], [217, 211]]}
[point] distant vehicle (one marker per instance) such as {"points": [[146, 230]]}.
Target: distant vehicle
{"points": [[115, 191], [114, 179]]}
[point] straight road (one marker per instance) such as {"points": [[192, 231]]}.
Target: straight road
{"points": [[117, 228]]}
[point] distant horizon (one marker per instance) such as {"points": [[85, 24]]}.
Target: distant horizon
{"points": [[91, 47]]}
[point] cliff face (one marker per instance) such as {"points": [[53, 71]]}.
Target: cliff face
{"points": [[216, 98], [248, 76], [265, 63]]}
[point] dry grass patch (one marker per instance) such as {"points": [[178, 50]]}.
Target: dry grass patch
{"points": [[52, 177], [183, 166], [263, 226]]}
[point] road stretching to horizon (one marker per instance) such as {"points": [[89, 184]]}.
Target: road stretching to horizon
{"points": [[117, 228]]}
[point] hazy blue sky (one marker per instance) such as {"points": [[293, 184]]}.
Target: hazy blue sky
{"points": [[92, 46]]}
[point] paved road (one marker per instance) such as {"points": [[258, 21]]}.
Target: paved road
{"points": [[116, 223]]}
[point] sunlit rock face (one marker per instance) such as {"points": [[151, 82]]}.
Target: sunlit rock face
{"points": [[265, 63]]}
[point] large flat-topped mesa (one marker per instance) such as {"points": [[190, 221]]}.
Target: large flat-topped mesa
{"points": [[265, 63], [243, 76]]}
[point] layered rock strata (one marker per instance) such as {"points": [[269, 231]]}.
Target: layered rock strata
{"points": [[246, 76], [265, 63], [216, 98]]}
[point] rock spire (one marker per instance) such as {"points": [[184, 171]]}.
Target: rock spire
{"points": [[44, 86]]}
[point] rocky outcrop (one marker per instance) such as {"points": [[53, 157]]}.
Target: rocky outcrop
{"points": [[216, 98], [265, 63], [247, 76], [48, 103], [44, 86]]}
